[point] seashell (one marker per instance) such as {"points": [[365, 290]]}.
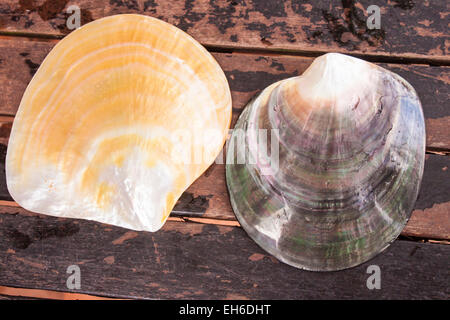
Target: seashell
{"points": [[106, 129], [339, 180]]}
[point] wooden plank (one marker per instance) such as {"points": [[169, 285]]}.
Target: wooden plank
{"points": [[196, 261], [431, 215], [431, 84], [409, 29], [247, 74]]}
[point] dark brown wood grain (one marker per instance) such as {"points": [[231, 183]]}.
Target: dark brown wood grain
{"points": [[431, 215], [409, 29], [197, 261]]}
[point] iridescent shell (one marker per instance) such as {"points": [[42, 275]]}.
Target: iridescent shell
{"points": [[340, 182], [108, 129]]}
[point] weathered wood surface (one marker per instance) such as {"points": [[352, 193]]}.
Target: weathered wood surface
{"points": [[197, 261], [409, 29], [204, 260], [431, 215], [247, 74]]}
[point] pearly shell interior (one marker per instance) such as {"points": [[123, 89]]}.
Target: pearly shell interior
{"points": [[342, 179], [112, 124]]}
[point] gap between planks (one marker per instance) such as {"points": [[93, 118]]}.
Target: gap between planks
{"points": [[228, 223], [375, 58], [233, 223], [371, 57]]}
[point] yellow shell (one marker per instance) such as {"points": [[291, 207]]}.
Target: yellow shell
{"points": [[121, 117]]}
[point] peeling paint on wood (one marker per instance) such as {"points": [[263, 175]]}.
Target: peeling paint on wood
{"points": [[308, 26]]}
